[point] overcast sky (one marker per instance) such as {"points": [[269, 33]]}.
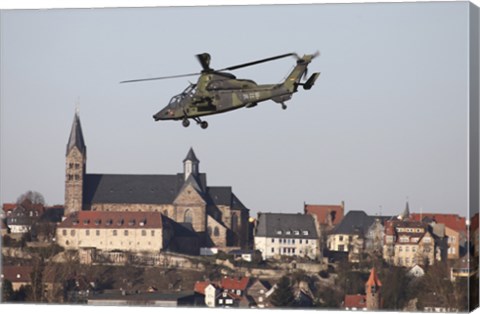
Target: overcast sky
{"points": [[385, 122]]}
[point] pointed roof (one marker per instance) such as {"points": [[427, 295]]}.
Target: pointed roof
{"points": [[373, 280], [191, 156], [76, 136], [406, 212]]}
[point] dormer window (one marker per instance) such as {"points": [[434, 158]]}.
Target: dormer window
{"points": [[120, 222], [86, 221], [279, 232], [305, 232], [109, 222], [296, 232], [97, 222], [75, 222], [131, 222], [287, 232]]}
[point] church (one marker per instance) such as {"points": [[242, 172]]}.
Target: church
{"points": [[214, 213]]}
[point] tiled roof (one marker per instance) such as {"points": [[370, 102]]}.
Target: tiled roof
{"points": [[113, 220], [7, 207], [234, 283], [453, 221], [200, 286], [324, 211], [17, 273], [358, 301]]}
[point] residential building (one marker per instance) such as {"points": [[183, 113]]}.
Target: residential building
{"points": [[144, 298], [258, 291], [455, 231], [17, 275], [463, 267], [215, 213], [227, 292], [416, 271], [23, 216], [125, 231], [278, 235], [408, 243], [349, 236]]}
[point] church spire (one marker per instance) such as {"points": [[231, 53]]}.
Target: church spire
{"points": [[76, 136], [190, 164]]}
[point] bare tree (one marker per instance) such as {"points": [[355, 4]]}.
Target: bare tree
{"points": [[33, 196]]}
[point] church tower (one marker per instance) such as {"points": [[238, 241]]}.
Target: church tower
{"points": [[190, 164], [373, 291], [75, 168]]}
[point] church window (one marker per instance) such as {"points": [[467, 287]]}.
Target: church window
{"points": [[216, 232], [234, 222], [187, 216]]}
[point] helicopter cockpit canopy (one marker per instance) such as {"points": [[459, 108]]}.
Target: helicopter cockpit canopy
{"points": [[177, 99]]}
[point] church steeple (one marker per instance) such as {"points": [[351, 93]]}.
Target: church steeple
{"points": [[75, 168], [76, 136], [373, 291], [190, 164]]}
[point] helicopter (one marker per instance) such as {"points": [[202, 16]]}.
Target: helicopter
{"points": [[218, 91]]}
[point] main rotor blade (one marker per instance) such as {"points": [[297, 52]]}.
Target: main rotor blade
{"points": [[257, 62], [160, 78]]}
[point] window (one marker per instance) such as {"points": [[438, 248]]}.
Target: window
{"points": [[293, 241], [220, 301], [216, 232], [427, 240], [228, 301], [407, 249], [97, 232], [114, 232], [187, 217], [72, 232], [70, 165], [87, 232], [300, 241], [125, 232], [279, 232], [287, 232], [77, 177], [306, 241], [273, 250], [296, 232], [64, 232], [144, 232], [152, 233], [305, 232], [273, 240], [340, 238], [234, 222], [77, 166], [400, 249]]}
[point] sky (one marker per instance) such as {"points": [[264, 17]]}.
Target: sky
{"points": [[386, 121]]}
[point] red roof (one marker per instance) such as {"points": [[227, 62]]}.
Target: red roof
{"points": [[8, 207], [112, 220], [234, 283], [336, 212], [200, 286], [452, 221], [373, 280], [358, 301], [17, 273]]}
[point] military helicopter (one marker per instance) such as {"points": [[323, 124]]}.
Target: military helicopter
{"points": [[217, 91]]}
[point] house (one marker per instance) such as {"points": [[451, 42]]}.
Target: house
{"points": [[216, 214], [7, 209], [245, 255], [455, 231], [23, 216], [355, 302], [349, 236], [125, 231], [278, 235], [258, 291], [227, 292], [328, 216], [17, 275], [463, 267], [408, 243]]}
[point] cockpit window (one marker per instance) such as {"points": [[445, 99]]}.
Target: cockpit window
{"points": [[176, 100]]}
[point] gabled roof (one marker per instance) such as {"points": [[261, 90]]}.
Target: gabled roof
{"points": [[271, 224], [325, 213], [354, 222], [76, 136]]}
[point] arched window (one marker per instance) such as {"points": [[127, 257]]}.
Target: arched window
{"points": [[234, 222], [187, 216], [216, 232]]}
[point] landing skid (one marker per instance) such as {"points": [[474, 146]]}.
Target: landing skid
{"points": [[203, 124]]}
